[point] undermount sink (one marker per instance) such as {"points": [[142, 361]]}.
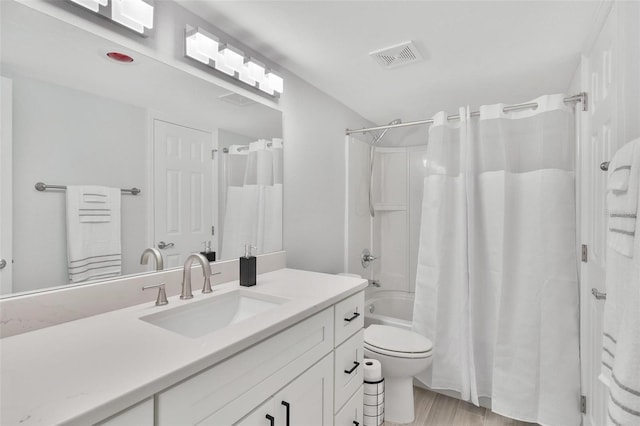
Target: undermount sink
{"points": [[199, 318]]}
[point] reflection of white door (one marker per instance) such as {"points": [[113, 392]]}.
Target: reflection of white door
{"points": [[599, 144], [6, 140], [184, 190]]}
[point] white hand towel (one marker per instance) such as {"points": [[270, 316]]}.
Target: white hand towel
{"points": [[622, 197], [93, 233], [621, 340]]}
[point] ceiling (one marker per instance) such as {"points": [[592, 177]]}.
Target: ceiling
{"points": [[475, 52]]}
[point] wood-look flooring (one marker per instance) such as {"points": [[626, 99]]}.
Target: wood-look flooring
{"points": [[434, 409]]}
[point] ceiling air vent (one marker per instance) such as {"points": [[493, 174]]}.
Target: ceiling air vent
{"points": [[236, 99], [394, 56]]}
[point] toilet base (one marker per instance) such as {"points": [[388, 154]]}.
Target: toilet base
{"points": [[398, 400]]}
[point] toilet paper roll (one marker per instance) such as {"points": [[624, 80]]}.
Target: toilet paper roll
{"points": [[372, 370], [373, 411], [374, 399]]}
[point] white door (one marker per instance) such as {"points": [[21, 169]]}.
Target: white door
{"points": [[185, 191], [6, 195], [599, 143]]}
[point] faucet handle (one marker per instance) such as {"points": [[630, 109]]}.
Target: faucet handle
{"points": [[162, 294]]}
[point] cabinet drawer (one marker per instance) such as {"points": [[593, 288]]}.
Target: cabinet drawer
{"points": [[349, 317], [256, 373], [348, 368], [351, 413]]}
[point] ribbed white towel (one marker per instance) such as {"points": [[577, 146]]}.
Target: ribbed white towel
{"points": [[621, 340], [93, 233], [622, 197]]}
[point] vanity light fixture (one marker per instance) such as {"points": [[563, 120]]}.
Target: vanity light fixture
{"points": [[232, 57], [202, 47], [208, 49], [136, 15]]}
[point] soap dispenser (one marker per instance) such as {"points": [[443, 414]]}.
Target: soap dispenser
{"points": [[210, 255], [248, 267]]}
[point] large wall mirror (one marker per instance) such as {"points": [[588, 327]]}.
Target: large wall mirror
{"points": [[208, 162]]}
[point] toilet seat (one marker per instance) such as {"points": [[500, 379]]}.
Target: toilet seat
{"points": [[396, 342]]}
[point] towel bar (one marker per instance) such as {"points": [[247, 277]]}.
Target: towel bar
{"points": [[40, 186]]}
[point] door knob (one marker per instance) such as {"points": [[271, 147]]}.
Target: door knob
{"points": [[3, 263], [162, 245]]}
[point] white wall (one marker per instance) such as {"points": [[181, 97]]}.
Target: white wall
{"points": [[107, 142], [314, 176], [358, 219]]}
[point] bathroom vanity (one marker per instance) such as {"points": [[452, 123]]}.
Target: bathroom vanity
{"points": [[287, 351]]}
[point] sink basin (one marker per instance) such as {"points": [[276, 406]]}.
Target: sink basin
{"points": [[206, 316]]}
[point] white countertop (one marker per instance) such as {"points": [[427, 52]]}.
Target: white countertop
{"points": [[86, 370]]}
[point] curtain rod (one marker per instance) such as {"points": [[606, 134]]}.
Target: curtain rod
{"points": [[580, 97]]}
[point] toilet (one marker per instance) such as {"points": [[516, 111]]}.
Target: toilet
{"points": [[403, 354]]}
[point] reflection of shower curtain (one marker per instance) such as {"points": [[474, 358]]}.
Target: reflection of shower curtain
{"points": [[501, 275], [253, 213]]}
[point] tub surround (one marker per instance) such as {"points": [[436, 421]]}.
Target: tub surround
{"points": [[84, 371]]}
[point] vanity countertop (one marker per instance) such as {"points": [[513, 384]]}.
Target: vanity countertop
{"points": [[86, 370]]}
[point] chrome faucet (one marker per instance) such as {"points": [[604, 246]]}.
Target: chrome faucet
{"points": [[186, 275], [144, 259]]}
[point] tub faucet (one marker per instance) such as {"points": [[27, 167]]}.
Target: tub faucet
{"points": [[156, 254], [186, 275]]}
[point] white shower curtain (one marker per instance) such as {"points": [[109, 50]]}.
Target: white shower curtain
{"points": [[520, 303], [442, 279], [253, 212]]}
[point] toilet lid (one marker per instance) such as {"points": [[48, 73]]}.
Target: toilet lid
{"points": [[393, 339]]}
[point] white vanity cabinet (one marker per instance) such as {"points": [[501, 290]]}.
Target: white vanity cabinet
{"points": [[228, 391], [300, 376]]}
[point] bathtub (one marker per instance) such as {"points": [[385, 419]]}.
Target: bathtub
{"points": [[389, 308]]}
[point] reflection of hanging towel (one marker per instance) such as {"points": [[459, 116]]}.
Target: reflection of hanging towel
{"points": [[93, 233], [621, 328], [622, 198]]}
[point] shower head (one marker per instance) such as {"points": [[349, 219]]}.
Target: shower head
{"points": [[378, 137]]}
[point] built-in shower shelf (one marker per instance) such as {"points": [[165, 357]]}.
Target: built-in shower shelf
{"points": [[379, 207]]}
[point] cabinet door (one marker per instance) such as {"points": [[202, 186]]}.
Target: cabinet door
{"points": [[308, 400]]}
